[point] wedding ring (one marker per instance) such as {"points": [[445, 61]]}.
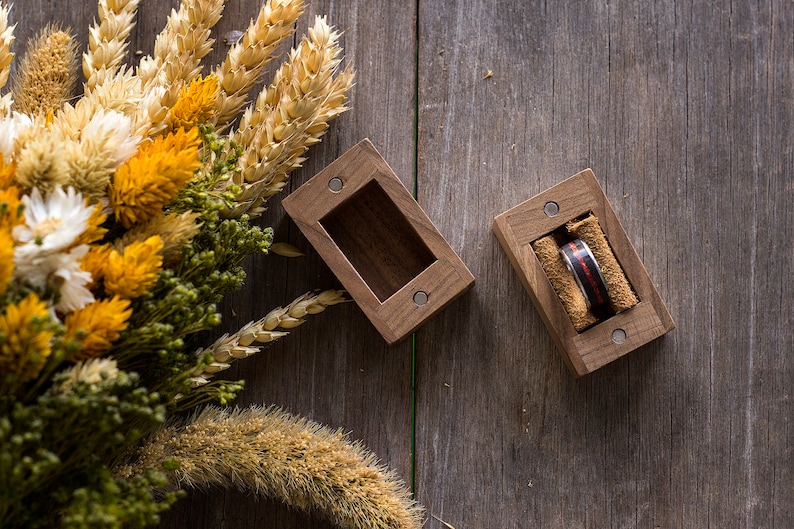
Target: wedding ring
{"points": [[580, 261]]}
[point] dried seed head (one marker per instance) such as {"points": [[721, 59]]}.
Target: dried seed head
{"points": [[107, 40], [250, 52], [46, 78], [289, 116], [245, 342], [274, 454]]}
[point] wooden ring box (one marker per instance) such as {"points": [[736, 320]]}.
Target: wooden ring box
{"points": [[375, 238], [608, 340]]}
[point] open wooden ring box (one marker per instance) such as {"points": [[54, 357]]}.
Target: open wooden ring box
{"points": [[533, 235], [375, 238]]}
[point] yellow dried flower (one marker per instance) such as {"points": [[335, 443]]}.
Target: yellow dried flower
{"points": [[152, 177], [7, 172], [6, 259], [97, 326], [47, 73], [131, 274], [11, 208], [175, 230], [196, 103], [25, 336], [94, 230], [95, 261]]}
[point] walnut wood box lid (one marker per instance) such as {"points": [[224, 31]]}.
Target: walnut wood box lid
{"points": [[375, 238], [612, 338]]}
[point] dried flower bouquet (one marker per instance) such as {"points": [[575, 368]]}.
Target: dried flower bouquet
{"points": [[125, 215]]}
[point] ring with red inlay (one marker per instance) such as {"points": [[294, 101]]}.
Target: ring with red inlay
{"points": [[580, 261]]}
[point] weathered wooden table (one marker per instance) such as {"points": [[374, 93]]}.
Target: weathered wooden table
{"points": [[685, 112]]}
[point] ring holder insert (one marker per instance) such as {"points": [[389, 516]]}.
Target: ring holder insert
{"points": [[637, 314]]}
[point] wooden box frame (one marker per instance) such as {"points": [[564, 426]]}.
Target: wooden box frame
{"points": [[598, 345], [379, 243]]}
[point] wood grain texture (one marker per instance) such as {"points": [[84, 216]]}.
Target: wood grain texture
{"points": [[684, 111], [378, 242]]}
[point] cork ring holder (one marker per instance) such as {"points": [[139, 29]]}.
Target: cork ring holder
{"points": [[582, 273], [566, 244]]}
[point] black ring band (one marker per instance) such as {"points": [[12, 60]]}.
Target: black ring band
{"points": [[580, 261]]}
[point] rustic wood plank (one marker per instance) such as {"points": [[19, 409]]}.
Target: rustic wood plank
{"points": [[683, 110], [31, 16]]}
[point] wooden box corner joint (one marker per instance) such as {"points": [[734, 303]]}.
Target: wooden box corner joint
{"points": [[613, 336], [375, 238]]}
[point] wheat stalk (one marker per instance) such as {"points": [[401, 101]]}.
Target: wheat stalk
{"points": [[6, 56], [184, 41], [107, 40], [244, 342], [274, 454], [247, 58], [289, 116], [176, 60]]}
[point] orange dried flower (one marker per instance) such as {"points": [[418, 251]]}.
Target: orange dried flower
{"points": [[25, 335], [153, 176], [196, 103], [131, 274], [97, 326]]}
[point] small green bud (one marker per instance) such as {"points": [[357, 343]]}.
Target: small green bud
{"points": [[171, 465]]}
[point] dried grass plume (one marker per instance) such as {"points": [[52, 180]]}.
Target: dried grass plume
{"points": [[274, 454], [47, 73]]}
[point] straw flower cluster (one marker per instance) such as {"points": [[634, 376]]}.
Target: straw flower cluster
{"points": [[125, 217]]}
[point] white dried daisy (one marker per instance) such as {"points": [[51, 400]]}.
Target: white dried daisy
{"points": [[58, 270], [93, 372], [43, 257], [11, 127], [52, 224], [72, 282]]}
